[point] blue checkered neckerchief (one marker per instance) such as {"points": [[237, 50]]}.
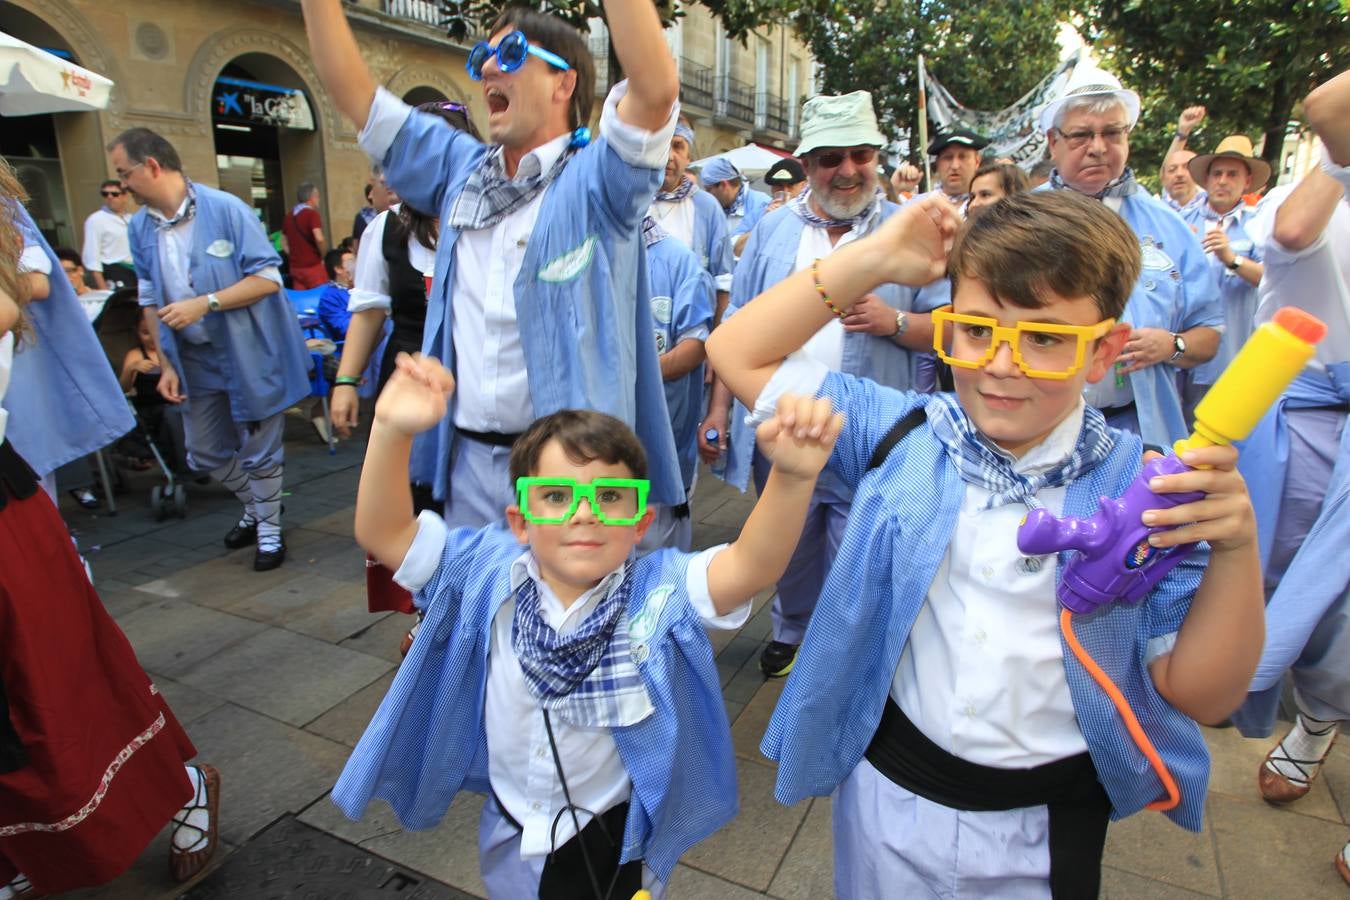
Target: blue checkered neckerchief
{"points": [[586, 677], [738, 205], [652, 232], [985, 465], [1123, 186], [861, 222], [686, 188], [490, 196], [185, 214]]}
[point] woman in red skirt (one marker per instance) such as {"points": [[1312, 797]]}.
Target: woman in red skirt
{"points": [[91, 758]]}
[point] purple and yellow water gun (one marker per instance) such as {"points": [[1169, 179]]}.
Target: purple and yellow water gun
{"points": [[1113, 561]]}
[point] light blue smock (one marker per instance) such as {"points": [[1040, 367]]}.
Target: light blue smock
{"points": [[260, 346], [756, 202], [583, 298], [682, 309], [771, 256], [64, 401], [1236, 296]]}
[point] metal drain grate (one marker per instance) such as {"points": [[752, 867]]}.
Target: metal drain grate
{"points": [[292, 861]]}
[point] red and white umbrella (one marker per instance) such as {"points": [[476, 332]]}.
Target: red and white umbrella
{"points": [[33, 81]]}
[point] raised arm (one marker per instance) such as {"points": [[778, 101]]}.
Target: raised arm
{"points": [[640, 44], [1304, 215], [1328, 112], [338, 60], [1188, 121], [909, 248]]}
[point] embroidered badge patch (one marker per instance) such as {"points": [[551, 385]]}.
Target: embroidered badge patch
{"points": [[221, 248], [569, 265], [643, 625], [1153, 255], [661, 309]]}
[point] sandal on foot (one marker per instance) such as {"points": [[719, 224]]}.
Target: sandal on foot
{"points": [[23, 889], [1279, 788], [184, 864]]}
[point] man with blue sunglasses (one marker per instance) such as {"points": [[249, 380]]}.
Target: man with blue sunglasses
{"points": [[540, 299]]}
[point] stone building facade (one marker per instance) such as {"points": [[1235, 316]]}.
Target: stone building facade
{"points": [[232, 86]]}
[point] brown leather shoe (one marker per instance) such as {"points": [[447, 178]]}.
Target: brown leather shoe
{"points": [[183, 865], [1277, 788]]}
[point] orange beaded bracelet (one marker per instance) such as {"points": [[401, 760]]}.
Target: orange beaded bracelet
{"points": [[820, 289]]}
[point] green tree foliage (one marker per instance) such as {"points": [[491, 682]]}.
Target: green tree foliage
{"points": [[987, 54], [738, 17], [1248, 62]]}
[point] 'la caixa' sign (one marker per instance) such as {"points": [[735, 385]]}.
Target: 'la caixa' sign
{"points": [[241, 101]]}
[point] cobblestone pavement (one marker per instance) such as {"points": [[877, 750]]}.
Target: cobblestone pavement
{"points": [[275, 675]]}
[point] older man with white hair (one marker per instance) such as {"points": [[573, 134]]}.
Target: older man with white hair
{"points": [[1174, 310], [880, 339]]}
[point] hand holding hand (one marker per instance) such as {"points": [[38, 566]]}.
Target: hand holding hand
{"points": [[1146, 347], [416, 396], [1190, 119], [1223, 517], [871, 315], [916, 241], [145, 366], [183, 313], [800, 437]]}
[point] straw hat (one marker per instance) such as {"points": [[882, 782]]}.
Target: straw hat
{"points": [[1089, 81], [1235, 146]]}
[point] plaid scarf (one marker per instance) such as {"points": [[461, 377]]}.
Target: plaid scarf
{"points": [[686, 188], [490, 196], [861, 222], [985, 465], [586, 677], [738, 205], [187, 214], [1123, 186], [652, 232]]}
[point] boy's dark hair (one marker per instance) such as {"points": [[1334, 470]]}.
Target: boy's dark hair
{"points": [[1060, 241], [556, 35], [332, 260], [141, 144], [585, 435], [1011, 178], [66, 254], [1042, 169], [111, 182]]}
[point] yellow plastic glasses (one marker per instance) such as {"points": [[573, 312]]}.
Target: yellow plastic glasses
{"points": [[1040, 349]]}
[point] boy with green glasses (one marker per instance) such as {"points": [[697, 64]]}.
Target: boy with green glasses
{"points": [[967, 749], [571, 682]]}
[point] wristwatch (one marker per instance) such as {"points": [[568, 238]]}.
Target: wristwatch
{"points": [[212, 303], [1179, 345], [1236, 263], [901, 324]]}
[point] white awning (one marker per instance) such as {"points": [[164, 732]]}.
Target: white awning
{"points": [[33, 81]]}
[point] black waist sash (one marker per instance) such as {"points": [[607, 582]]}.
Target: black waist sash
{"points": [[1078, 804], [565, 875]]}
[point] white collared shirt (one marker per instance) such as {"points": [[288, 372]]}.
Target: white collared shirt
{"points": [[370, 282], [492, 392], [520, 762], [676, 218], [105, 239], [827, 344]]}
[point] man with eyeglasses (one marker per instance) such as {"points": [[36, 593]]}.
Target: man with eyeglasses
{"points": [[210, 290], [541, 299], [1174, 310], [694, 216], [106, 252], [880, 339]]}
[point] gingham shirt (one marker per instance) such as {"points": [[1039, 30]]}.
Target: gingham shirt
{"points": [[426, 743]]}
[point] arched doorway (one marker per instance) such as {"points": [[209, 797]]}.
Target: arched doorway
{"points": [[267, 137], [423, 94]]}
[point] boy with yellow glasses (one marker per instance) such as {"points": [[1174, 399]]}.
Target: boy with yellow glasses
{"points": [[967, 753]]}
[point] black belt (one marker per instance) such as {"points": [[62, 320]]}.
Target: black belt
{"points": [[1078, 804], [496, 439], [681, 511]]}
